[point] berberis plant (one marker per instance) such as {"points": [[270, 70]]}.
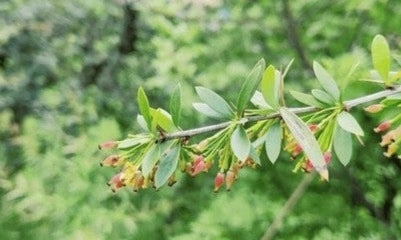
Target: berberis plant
{"points": [[310, 134]]}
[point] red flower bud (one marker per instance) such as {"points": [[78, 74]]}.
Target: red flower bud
{"points": [[108, 145], [375, 108], [383, 126], [230, 177], [307, 166], [116, 182], [327, 157], [297, 150], [198, 168], [313, 127], [218, 181], [112, 161]]}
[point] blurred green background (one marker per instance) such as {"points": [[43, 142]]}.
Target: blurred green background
{"points": [[69, 71]]}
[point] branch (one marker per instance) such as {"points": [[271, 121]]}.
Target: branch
{"points": [[347, 105], [288, 206]]}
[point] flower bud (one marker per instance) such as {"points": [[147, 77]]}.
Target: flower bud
{"points": [[383, 126], [313, 127], [198, 168], [218, 181], [116, 182], [230, 177], [392, 148], [327, 157], [297, 150], [208, 165], [307, 166], [112, 161], [108, 145], [139, 181], [375, 108]]}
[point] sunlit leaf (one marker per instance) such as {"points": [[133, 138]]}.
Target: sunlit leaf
{"points": [[326, 80], [381, 56], [249, 86], [215, 101], [167, 166], [163, 119], [349, 123], [270, 87], [144, 107], [175, 105], [258, 100], [306, 140], [240, 143]]}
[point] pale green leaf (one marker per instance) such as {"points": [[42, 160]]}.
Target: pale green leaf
{"points": [[167, 166], [215, 101], [163, 120], [326, 80], [349, 123], [306, 140], [323, 97], [306, 99], [206, 110], [240, 143], [258, 100], [270, 87], [342, 143], [254, 155], [249, 86], [273, 142], [150, 159]]}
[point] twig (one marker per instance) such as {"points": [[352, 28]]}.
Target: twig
{"points": [[347, 105], [288, 206]]}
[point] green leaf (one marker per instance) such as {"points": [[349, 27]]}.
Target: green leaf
{"points": [[215, 101], [131, 142], [306, 99], [349, 123], [142, 123], [144, 107], [175, 105], [342, 143], [306, 140], [254, 155], [270, 87], [381, 56], [250, 85], [167, 166], [150, 159], [326, 80], [258, 100], [163, 120], [273, 142], [240, 143], [323, 97], [206, 110]]}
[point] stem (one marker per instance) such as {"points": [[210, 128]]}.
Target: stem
{"points": [[347, 105]]}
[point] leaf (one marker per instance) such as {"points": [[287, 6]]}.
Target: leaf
{"points": [[306, 140], [240, 143], [306, 99], [163, 120], [273, 142], [381, 56], [142, 123], [215, 101], [258, 100], [326, 80], [167, 166], [150, 158], [323, 97], [349, 123], [250, 85], [144, 107], [175, 105], [131, 142], [206, 110], [254, 155], [270, 87], [342, 143]]}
